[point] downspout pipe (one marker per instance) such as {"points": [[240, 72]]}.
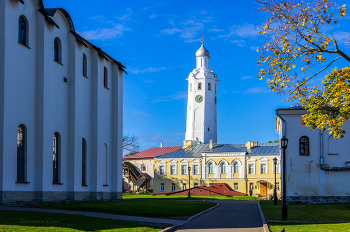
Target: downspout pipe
{"points": [[322, 160]]}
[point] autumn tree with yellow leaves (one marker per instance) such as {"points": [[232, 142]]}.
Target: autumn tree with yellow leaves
{"points": [[299, 50]]}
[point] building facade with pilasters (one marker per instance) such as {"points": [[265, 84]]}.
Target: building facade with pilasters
{"points": [[61, 107], [243, 167]]}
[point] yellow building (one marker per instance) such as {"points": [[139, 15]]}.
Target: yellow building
{"points": [[244, 167]]}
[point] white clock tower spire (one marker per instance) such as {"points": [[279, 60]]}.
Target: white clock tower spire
{"points": [[201, 122]]}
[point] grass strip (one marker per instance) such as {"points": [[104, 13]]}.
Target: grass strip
{"points": [[307, 212], [157, 208], [149, 196], [33, 221], [277, 227]]}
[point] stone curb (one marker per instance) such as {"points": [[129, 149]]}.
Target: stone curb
{"points": [[265, 226], [173, 227], [309, 222]]}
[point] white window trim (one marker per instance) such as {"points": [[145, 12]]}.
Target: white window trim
{"points": [[173, 184], [223, 162], [234, 184], [160, 187], [184, 162], [264, 160], [184, 184], [273, 166], [253, 168], [207, 167], [199, 167], [239, 166], [161, 163], [173, 162]]}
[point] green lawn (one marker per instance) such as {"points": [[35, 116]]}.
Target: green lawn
{"points": [[158, 208], [308, 212], [32, 221], [149, 196]]}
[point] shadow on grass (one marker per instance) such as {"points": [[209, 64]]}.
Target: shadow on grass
{"points": [[291, 227], [157, 208], [33, 221]]}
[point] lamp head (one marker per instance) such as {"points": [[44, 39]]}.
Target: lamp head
{"points": [[284, 142]]}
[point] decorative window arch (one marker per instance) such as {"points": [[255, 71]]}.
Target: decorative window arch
{"points": [[263, 164], [56, 157], [236, 167], [223, 168], [199, 86], [143, 167], [23, 30], [209, 86], [304, 146], [105, 77], [84, 65], [83, 162], [173, 167], [211, 168], [57, 50], [21, 152]]}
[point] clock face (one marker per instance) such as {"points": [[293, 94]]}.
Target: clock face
{"points": [[199, 98]]}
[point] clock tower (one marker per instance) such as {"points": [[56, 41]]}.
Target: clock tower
{"points": [[201, 122]]}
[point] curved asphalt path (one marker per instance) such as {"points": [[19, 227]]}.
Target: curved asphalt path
{"points": [[231, 215]]}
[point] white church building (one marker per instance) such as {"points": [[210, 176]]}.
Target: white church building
{"points": [[317, 165], [61, 109]]}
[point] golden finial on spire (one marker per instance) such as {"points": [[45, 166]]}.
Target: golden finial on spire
{"points": [[202, 37]]}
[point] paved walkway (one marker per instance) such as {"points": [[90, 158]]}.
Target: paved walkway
{"points": [[235, 216], [97, 215]]}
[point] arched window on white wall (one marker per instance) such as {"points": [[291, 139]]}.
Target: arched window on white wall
{"points": [[56, 157], [23, 30], [58, 50], [223, 168], [84, 65], [105, 166], [236, 168], [21, 153], [199, 86], [211, 168], [332, 145]]}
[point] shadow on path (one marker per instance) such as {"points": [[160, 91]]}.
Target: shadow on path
{"points": [[231, 215]]}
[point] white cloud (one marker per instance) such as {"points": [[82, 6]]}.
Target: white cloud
{"points": [[236, 91], [149, 81], [216, 30], [341, 35], [256, 90], [178, 95], [136, 112], [105, 33], [203, 12], [153, 16], [246, 30], [247, 77], [238, 42], [125, 17], [171, 31], [171, 22], [146, 70]]}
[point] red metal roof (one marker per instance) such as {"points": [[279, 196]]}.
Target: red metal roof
{"points": [[153, 152]]}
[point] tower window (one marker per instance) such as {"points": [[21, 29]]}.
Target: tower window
{"points": [[209, 86], [208, 129], [199, 86], [22, 33]]}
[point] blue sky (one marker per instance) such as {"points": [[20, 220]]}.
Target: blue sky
{"points": [[157, 41]]}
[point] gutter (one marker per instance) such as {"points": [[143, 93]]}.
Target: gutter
{"points": [[284, 126], [322, 159]]}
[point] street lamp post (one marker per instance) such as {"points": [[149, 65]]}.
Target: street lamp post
{"points": [[189, 182], [284, 144], [274, 192]]}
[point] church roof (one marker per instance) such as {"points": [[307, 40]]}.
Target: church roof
{"points": [[202, 51], [196, 150], [150, 153]]}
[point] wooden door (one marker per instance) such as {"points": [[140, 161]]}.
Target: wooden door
{"points": [[263, 189]]}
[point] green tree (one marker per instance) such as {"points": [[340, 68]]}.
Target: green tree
{"points": [[298, 51]]}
